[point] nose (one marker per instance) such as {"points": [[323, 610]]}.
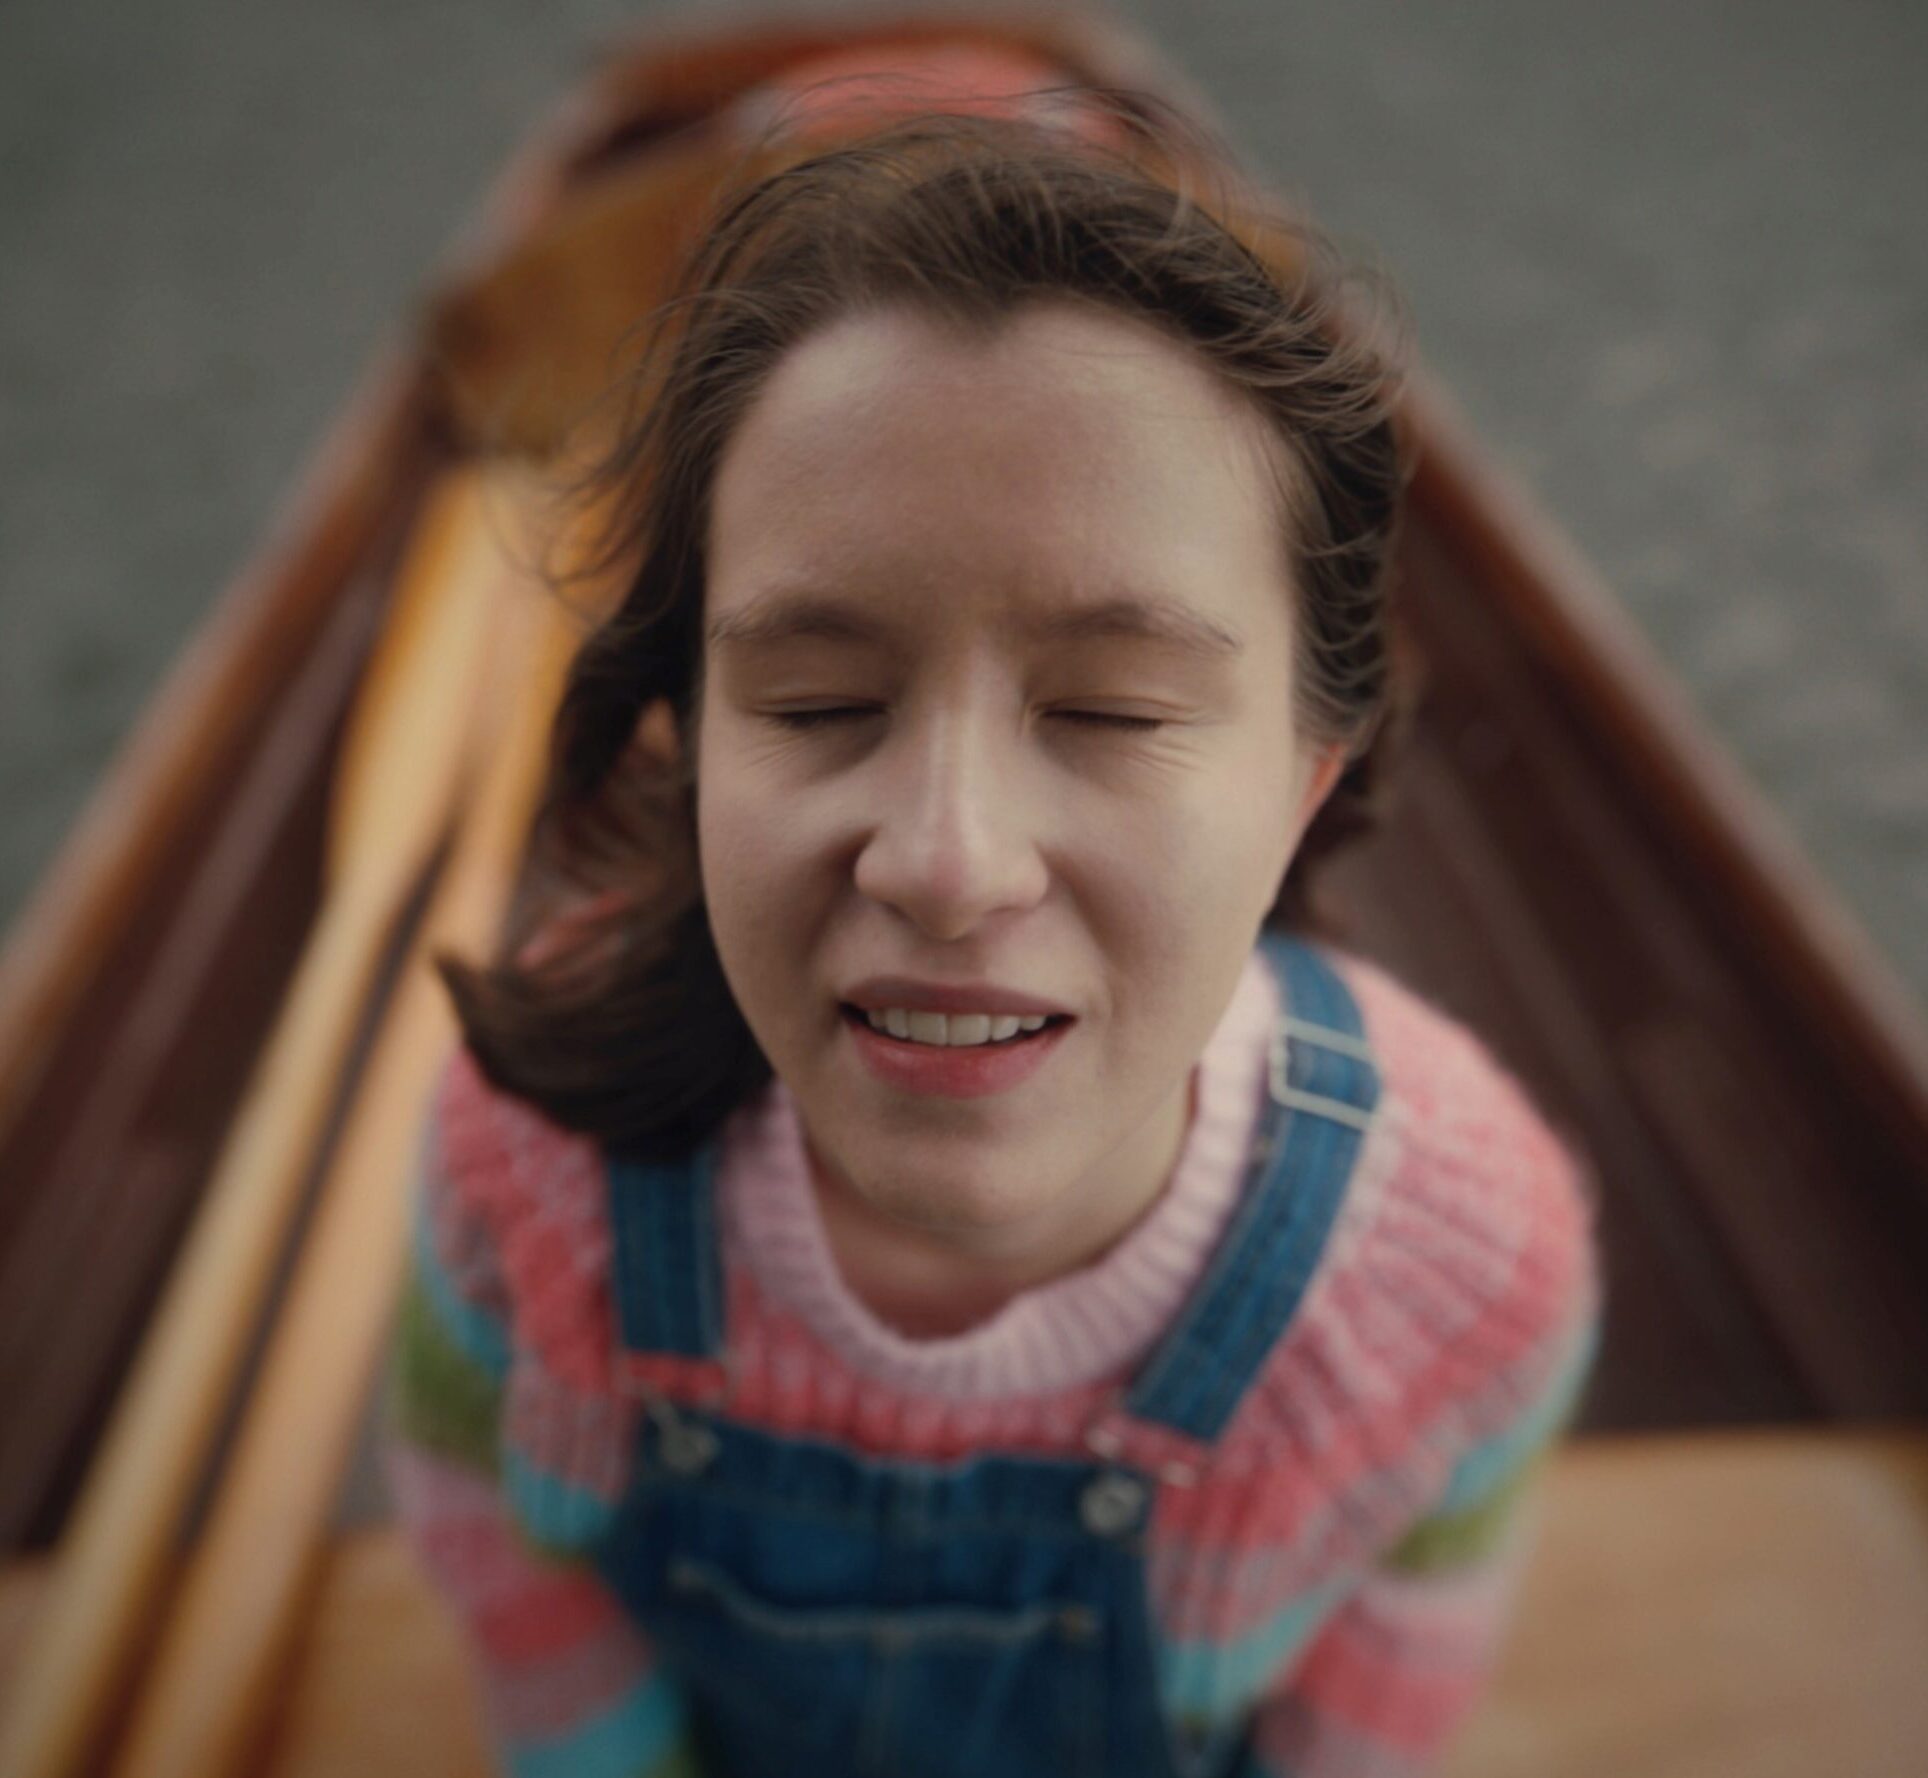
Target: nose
{"points": [[950, 843]]}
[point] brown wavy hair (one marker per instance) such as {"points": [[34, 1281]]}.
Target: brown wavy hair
{"points": [[625, 1027]]}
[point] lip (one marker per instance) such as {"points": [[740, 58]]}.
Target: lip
{"points": [[879, 993], [971, 1072]]}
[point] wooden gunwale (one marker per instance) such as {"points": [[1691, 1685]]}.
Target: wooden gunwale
{"points": [[113, 955], [151, 964], [1655, 986], [1740, 844]]}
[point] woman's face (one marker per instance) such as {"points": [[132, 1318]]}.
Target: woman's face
{"points": [[998, 697]]}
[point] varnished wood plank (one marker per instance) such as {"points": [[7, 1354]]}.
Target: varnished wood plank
{"points": [[107, 1205], [381, 1686], [1649, 950], [100, 885], [1753, 1604]]}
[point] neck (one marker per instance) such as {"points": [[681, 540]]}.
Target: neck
{"points": [[929, 1283]]}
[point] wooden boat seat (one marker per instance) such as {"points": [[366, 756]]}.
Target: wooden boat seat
{"points": [[1752, 1604], [1741, 1604]]}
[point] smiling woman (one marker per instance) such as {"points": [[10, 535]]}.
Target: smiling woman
{"points": [[951, 826], [1004, 379], [949, 1278]]}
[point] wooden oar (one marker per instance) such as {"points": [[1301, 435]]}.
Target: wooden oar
{"points": [[402, 766], [224, 1646]]}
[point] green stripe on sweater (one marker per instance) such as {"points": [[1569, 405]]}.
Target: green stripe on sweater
{"points": [[1458, 1539], [439, 1397]]}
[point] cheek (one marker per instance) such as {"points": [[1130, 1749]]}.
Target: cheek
{"points": [[728, 804], [757, 861], [731, 862], [743, 899], [1219, 844], [1180, 889], [1191, 891], [1192, 909]]}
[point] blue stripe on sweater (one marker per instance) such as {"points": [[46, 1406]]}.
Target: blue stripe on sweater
{"points": [[479, 1335], [554, 1514], [1487, 1466], [1211, 1681], [636, 1736]]}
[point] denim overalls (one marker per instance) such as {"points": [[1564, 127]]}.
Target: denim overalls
{"points": [[832, 1613]]}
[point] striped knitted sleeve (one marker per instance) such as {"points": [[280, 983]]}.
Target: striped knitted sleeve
{"points": [[569, 1685], [1395, 1672]]}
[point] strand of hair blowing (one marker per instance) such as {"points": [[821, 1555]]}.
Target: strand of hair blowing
{"points": [[625, 1029]]}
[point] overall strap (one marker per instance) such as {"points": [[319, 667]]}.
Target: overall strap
{"points": [[1322, 1090], [668, 1269]]}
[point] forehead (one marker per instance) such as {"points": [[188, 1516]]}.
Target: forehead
{"points": [[1074, 459]]}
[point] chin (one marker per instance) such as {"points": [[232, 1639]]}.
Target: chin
{"points": [[969, 1205]]}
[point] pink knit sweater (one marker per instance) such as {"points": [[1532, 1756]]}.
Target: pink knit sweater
{"points": [[1333, 1571]]}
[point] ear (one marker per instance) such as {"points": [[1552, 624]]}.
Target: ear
{"points": [[1326, 768], [655, 732], [1321, 772]]}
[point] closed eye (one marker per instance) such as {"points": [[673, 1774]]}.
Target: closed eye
{"points": [[1110, 719], [803, 719], [808, 719]]}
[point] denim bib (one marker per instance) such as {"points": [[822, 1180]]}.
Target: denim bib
{"points": [[831, 1612]]}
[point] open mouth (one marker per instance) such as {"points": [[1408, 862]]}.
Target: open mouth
{"points": [[968, 1070], [855, 1015]]}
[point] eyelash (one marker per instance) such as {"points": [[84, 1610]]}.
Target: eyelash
{"points": [[809, 719]]}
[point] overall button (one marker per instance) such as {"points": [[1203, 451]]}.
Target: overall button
{"points": [[1078, 1623], [1112, 1504], [686, 1448]]}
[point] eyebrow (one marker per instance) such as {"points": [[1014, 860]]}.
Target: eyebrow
{"points": [[781, 617]]}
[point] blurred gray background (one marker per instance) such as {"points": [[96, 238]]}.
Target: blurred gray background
{"points": [[1672, 258]]}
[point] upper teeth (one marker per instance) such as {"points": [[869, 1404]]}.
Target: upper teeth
{"points": [[952, 1029]]}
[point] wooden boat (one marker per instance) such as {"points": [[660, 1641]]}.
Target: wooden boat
{"points": [[1569, 864]]}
